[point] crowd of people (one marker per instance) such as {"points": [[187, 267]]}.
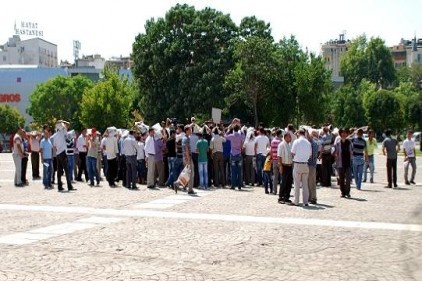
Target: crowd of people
{"points": [[215, 156]]}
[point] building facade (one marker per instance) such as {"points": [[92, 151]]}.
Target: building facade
{"points": [[34, 51], [407, 52], [331, 52]]}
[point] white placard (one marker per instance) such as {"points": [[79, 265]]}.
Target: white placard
{"points": [[216, 115]]}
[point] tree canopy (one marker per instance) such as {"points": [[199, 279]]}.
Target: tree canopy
{"points": [[10, 119]]}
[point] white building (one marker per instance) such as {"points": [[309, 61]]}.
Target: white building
{"points": [[91, 61], [34, 51], [332, 52]]}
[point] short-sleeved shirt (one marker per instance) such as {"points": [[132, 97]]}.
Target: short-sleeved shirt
{"points": [[371, 145], [262, 142], [390, 146], [236, 140], [359, 146], [409, 147], [202, 146], [185, 145], [47, 148]]}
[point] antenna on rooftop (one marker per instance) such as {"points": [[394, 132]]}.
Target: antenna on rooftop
{"points": [[76, 48]]}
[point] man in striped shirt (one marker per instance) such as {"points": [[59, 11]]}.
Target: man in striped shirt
{"points": [[360, 155]]}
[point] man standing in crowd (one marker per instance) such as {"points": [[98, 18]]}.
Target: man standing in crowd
{"points": [[285, 166], [301, 152], [216, 148], [312, 167], [236, 160], [343, 155], [35, 155], [274, 147], [325, 155], [187, 159], [60, 146], [46, 152], [130, 147], [112, 150], [150, 154], [82, 149], [93, 144], [160, 146], [409, 158], [18, 153], [261, 144], [171, 158], [360, 156], [371, 145], [390, 147]]}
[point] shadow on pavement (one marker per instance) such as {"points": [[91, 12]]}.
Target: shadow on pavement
{"points": [[357, 199]]}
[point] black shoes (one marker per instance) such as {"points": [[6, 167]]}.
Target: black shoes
{"points": [[407, 183], [412, 182]]}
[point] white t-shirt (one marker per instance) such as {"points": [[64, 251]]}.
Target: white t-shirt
{"points": [[262, 142], [141, 151], [409, 147], [111, 148], [302, 150], [249, 148]]}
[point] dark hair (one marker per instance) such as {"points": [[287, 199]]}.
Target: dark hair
{"points": [[236, 128], [215, 131], [151, 130], [172, 131], [278, 133], [388, 132]]}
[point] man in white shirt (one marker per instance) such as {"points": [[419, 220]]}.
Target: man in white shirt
{"points": [[262, 143], [130, 147], [216, 148], [60, 147], [409, 158], [111, 149], [82, 150], [301, 152], [149, 155], [285, 166]]}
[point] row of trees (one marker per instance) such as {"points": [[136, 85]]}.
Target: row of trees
{"points": [[193, 60], [375, 93]]}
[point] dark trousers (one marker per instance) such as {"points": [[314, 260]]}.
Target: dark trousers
{"points": [[122, 169], [218, 163], [111, 171], [131, 171], [82, 167], [24, 167], [227, 170], [326, 169], [195, 164], [35, 162], [344, 180], [392, 172], [249, 170], [286, 183], [62, 166]]}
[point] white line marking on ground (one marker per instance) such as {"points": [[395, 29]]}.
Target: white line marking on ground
{"points": [[35, 235], [216, 217]]}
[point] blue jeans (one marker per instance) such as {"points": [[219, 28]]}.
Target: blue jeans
{"points": [[172, 170], [70, 166], [236, 171], [92, 170], [371, 166], [203, 174], [46, 173], [267, 181], [260, 160], [358, 163]]}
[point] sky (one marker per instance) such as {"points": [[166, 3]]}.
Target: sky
{"points": [[109, 27]]}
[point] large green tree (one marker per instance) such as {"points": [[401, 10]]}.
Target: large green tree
{"points": [[59, 98], [347, 107], [383, 109], [313, 86], [181, 61], [10, 119], [250, 80], [368, 60], [108, 103]]}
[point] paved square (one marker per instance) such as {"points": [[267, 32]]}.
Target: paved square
{"points": [[116, 234]]}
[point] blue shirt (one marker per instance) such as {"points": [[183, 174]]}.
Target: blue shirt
{"points": [[313, 160], [47, 148]]}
